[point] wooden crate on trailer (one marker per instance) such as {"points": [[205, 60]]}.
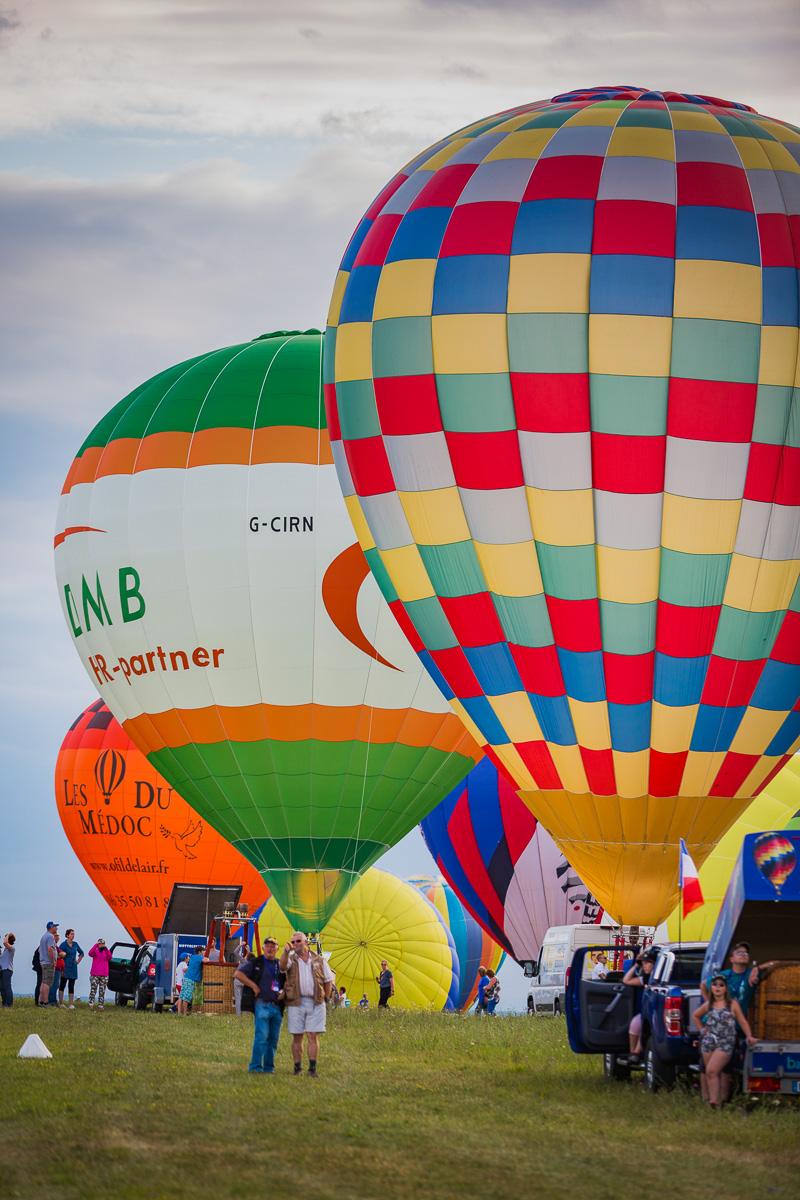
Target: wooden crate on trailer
{"points": [[218, 988], [776, 1008]]}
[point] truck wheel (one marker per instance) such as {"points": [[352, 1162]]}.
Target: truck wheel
{"points": [[157, 1008], [556, 1009], [120, 1000], [530, 1006], [657, 1073], [614, 1069], [139, 1000]]}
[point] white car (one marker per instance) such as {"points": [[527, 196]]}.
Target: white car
{"points": [[548, 974]]}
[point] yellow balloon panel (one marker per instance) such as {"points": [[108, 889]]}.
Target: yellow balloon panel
{"points": [[386, 918], [773, 809]]}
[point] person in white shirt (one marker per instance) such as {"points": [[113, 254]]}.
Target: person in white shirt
{"points": [[308, 985], [600, 969]]}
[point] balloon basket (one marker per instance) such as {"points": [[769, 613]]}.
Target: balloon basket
{"points": [[218, 998], [776, 1011]]}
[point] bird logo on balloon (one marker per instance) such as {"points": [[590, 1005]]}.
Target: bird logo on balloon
{"points": [[186, 841], [775, 857]]}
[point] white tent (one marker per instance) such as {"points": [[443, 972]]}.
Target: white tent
{"points": [[34, 1047]]}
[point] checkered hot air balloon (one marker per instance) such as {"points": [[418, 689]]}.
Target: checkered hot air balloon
{"points": [[559, 373]]}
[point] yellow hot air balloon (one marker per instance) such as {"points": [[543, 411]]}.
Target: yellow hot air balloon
{"points": [[386, 918], [773, 809], [383, 918]]}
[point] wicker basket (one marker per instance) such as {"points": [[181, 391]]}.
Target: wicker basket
{"points": [[776, 1010], [218, 988]]}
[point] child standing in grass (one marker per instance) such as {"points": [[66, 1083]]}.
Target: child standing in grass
{"points": [[98, 976]]}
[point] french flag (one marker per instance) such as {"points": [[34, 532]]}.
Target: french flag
{"points": [[691, 892]]}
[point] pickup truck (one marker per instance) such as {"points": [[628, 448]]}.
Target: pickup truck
{"points": [[599, 1011]]}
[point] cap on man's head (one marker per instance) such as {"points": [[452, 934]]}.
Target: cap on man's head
{"points": [[270, 941], [741, 946], [52, 924]]}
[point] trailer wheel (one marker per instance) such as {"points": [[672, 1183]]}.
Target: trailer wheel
{"points": [[139, 1000], [120, 1000]]}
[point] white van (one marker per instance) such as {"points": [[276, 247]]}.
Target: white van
{"points": [[548, 974]]}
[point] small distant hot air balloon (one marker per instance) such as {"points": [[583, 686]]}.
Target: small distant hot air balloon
{"points": [[133, 834], [559, 367], [773, 808], [503, 865], [775, 857], [474, 946], [219, 601]]}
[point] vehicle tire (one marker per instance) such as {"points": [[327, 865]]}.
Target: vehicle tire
{"points": [[139, 1000], [157, 1008], [614, 1069], [530, 1006], [120, 1000], [657, 1073], [556, 1008]]}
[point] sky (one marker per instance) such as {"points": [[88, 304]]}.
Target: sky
{"points": [[177, 175]]}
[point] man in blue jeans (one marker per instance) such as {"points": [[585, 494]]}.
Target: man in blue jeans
{"points": [[265, 978]]}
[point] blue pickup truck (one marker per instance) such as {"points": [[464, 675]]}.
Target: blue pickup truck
{"points": [[599, 1012]]}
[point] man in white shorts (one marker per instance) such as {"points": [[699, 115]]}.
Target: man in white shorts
{"points": [[307, 987]]}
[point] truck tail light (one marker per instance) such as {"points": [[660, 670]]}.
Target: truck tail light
{"points": [[763, 1085], [151, 970], [566, 977], [672, 1016]]}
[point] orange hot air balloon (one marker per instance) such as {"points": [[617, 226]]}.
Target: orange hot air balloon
{"points": [[134, 835]]}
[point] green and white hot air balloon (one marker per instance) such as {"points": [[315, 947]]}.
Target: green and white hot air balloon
{"points": [[216, 594]]}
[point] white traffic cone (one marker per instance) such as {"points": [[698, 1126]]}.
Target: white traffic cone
{"points": [[34, 1047]]}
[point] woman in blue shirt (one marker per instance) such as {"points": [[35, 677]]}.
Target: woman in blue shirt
{"points": [[72, 954]]}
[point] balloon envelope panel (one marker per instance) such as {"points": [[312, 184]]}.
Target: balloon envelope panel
{"points": [[132, 832], [503, 865], [217, 597], [774, 808], [559, 370]]}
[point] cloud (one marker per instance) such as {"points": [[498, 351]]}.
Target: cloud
{"points": [[107, 283], [248, 68]]}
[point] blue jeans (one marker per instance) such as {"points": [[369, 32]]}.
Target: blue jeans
{"points": [[5, 988], [492, 1005], [268, 1019], [54, 989]]}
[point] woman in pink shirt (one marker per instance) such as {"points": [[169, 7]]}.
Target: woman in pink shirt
{"points": [[98, 976]]}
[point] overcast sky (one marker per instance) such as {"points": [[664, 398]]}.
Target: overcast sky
{"points": [[177, 175]]}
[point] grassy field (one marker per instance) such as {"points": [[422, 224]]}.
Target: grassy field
{"points": [[425, 1105]]}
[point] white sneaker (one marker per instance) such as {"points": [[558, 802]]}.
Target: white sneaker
{"points": [[62, 1006], [71, 1007]]}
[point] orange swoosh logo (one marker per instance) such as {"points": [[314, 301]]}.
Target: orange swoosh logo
{"points": [[60, 537], [340, 587]]}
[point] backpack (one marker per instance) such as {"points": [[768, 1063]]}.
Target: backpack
{"points": [[248, 995]]}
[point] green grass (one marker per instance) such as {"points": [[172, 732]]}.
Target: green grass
{"points": [[409, 1105]]}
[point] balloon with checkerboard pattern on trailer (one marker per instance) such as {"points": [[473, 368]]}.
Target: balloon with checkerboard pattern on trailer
{"points": [[217, 597], [559, 374]]}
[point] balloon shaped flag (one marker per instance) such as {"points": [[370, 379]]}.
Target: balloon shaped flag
{"points": [[503, 865], [774, 808], [775, 857], [559, 374], [474, 947], [132, 832], [386, 918], [215, 593]]}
